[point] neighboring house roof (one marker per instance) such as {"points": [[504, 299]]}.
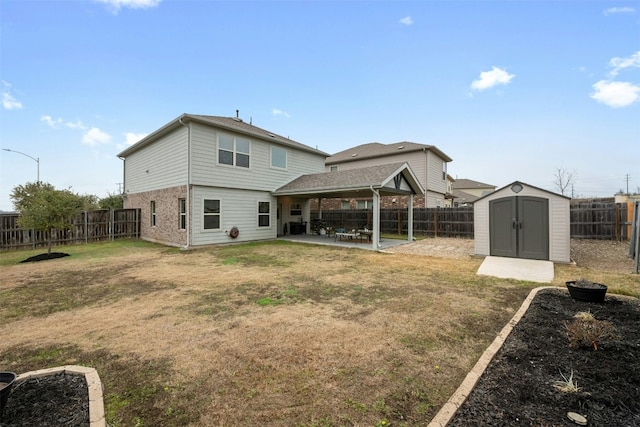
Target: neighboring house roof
{"points": [[351, 183], [463, 197], [229, 123], [462, 183], [376, 149]]}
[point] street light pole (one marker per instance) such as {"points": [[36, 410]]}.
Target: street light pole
{"points": [[37, 160]]}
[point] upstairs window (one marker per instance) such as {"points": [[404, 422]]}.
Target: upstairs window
{"points": [[278, 158], [233, 151]]}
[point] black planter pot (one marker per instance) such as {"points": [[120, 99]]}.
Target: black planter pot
{"points": [[7, 379], [594, 292]]}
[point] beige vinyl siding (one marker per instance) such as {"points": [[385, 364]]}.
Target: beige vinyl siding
{"points": [[427, 169], [434, 200], [238, 208], [160, 165], [259, 176], [435, 181]]}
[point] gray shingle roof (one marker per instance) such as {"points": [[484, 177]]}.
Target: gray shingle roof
{"points": [[462, 183], [229, 123], [347, 181], [376, 149]]}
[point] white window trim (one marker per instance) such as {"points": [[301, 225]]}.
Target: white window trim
{"points": [[202, 215], [286, 158], [181, 214], [258, 214], [153, 210], [234, 152]]}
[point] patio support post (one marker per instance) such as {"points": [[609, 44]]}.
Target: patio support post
{"points": [[375, 238], [410, 219]]}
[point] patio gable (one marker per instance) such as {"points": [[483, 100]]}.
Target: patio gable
{"points": [[389, 179]]}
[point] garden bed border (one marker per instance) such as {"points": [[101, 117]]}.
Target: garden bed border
{"points": [[94, 388]]}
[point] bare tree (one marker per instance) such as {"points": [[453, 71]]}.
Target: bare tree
{"points": [[564, 180]]}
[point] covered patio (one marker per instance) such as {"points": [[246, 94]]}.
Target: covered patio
{"points": [[317, 239], [394, 179]]}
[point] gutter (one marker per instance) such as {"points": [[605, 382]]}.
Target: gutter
{"points": [[188, 198]]}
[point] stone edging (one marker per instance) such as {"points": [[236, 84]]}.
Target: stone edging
{"points": [[448, 410], [94, 386]]}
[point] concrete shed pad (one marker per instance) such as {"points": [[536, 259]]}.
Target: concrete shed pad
{"points": [[517, 268]]}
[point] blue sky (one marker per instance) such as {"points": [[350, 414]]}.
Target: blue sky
{"points": [[511, 90]]}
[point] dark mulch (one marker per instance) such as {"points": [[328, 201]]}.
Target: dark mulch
{"points": [[517, 389], [51, 401], [44, 257]]}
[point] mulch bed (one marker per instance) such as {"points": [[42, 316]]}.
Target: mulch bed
{"points": [[517, 388], [50, 401], [44, 257]]}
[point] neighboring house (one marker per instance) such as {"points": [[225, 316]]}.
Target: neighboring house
{"points": [[427, 162], [230, 168], [474, 188], [201, 180]]}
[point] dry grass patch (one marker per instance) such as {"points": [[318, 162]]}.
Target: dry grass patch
{"points": [[267, 333]]}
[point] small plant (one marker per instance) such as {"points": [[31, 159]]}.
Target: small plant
{"points": [[567, 385], [586, 331]]}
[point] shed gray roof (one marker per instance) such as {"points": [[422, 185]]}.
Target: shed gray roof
{"points": [[228, 123], [351, 183], [376, 149]]}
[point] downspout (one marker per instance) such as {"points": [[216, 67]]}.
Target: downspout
{"points": [[188, 198], [376, 219]]}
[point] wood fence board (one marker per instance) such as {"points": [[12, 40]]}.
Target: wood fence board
{"points": [[88, 226]]}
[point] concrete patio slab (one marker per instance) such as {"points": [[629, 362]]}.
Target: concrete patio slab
{"points": [[517, 268]]}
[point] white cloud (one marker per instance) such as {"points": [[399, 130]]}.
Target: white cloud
{"points": [[75, 125], [616, 10], [131, 138], [116, 5], [95, 136], [489, 79], [406, 21], [618, 64], [8, 101], [51, 121], [615, 94], [278, 112]]}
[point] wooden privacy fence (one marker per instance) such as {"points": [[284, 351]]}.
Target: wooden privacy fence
{"points": [[605, 220], [434, 222], [88, 226]]}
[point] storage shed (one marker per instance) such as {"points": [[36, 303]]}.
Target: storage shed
{"points": [[523, 221]]}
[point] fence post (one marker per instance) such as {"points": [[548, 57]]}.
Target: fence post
{"points": [[111, 223], [435, 222]]}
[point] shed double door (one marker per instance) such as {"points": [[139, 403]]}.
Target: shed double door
{"points": [[519, 227]]}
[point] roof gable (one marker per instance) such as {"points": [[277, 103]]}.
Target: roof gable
{"points": [[502, 190], [392, 178], [228, 123]]}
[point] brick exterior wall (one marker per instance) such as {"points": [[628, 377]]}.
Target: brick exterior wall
{"points": [[167, 229]]}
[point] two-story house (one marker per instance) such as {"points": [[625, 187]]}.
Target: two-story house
{"points": [[428, 163], [201, 180]]}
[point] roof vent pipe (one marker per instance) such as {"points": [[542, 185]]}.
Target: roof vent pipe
{"points": [[237, 114]]}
